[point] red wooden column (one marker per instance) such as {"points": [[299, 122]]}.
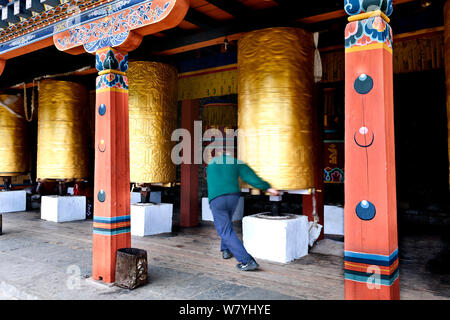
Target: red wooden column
{"points": [[189, 171], [371, 249], [112, 164]]}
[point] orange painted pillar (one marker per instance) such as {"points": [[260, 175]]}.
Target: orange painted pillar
{"points": [[112, 165], [371, 249]]}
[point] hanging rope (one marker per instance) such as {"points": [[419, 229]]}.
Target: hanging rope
{"points": [[317, 60], [28, 117]]}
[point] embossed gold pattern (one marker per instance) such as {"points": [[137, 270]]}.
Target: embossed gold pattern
{"points": [[275, 75], [13, 143], [153, 117], [62, 148]]}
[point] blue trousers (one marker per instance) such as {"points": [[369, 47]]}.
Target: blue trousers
{"points": [[222, 209]]}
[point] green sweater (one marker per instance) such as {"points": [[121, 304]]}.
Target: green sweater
{"points": [[222, 175]]}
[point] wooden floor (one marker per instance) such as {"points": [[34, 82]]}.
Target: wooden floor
{"points": [[196, 251]]}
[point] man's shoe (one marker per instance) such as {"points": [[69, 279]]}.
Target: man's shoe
{"points": [[226, 254], [249, 266]]}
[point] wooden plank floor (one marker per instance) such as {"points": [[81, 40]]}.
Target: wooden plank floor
{"points": [[196, 251]]}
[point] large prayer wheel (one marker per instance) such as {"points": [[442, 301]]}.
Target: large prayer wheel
{"points": [[13, 142], [153, 118], [62, 144], [275, 74]]}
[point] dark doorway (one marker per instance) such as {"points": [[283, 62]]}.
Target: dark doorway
{"points": [[421, 141]]}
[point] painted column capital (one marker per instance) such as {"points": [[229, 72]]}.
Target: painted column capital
{"points": [[111, 59], [112, 65], [356, 7], [368, 29]]}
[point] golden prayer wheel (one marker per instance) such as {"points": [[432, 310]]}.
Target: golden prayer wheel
{"points": [[153, 118], [13, 143], [62, 143], [275, 75]]}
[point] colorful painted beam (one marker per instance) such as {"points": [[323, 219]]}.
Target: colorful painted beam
{"points": [[371, 249], [72, 24]]}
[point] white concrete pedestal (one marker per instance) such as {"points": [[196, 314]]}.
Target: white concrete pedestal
{"points": [[149, 219], [276, 239], [334, 220], [63, 209], [13, 201], [208, 216]]}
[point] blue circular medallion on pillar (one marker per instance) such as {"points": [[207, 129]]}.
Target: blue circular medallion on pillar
{"points": [[101, 196], [102, 109], [365, 210], [363, 84]]}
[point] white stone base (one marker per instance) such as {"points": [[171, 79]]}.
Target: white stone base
{"points": [[208, 216], [334, 220], [148, 219], [275, 239], [13, 201], [63, 209]]}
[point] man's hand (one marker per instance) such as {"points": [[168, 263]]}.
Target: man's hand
{"points": [[273, 192]]}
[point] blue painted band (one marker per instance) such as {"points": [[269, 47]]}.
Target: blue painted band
{"points": [[111, 232], [371, 258], [112, 219], [371, 277]]}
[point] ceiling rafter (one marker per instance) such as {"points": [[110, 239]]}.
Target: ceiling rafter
{"points": [[201, 20], [233, 7], [258, 20]]}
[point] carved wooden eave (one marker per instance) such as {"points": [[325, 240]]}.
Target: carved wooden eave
{"points": [[78, 26]]}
